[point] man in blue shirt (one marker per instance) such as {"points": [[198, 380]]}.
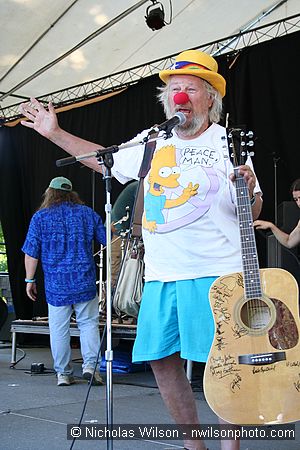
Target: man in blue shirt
{"points": [[61, 234]]}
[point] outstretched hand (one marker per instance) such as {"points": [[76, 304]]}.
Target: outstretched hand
{"points": [[42, 120]]}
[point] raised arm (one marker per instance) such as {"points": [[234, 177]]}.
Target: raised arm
{"points": [[45, 122], [288, 240]]}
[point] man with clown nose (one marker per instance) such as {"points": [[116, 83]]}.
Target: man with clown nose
{"points": [[190, 228]]}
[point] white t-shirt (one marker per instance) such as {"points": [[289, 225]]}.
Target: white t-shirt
{"points": [[185, 236]]}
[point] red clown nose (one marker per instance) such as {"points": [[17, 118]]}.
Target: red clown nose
{"points": [[181, 98]]}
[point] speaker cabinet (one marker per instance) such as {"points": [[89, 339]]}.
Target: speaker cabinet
{"points": [[282, 257], [288, 216], [277, 254]]}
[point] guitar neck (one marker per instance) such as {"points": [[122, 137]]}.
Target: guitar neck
{"points": [[247, 238]]}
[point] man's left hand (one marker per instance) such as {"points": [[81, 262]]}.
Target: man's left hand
{"points": [[249, 178]]}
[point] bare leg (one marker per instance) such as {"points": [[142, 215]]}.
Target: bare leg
{"points": [[232, 444], [177, 394]]}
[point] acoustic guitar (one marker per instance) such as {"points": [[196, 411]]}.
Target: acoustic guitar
{"points": [[252, 375]]}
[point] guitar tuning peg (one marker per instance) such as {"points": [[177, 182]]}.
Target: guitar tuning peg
{"points": [[250, 143], [250, 134]]}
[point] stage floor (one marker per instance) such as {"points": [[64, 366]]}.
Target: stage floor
{"points": [[34, 412]]}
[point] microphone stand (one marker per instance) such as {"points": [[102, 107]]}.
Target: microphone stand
{"points": [[277, 245], [105, 158]]}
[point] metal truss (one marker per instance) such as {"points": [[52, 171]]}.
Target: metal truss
{"points": [[120, 80]]}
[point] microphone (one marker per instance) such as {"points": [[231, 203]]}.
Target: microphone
{"points": [[66, 161], [178, 119]]}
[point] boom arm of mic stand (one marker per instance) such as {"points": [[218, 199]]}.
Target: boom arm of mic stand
{"points": [[96, 154], [103, 151]]}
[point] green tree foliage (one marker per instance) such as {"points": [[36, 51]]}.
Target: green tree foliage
{"points": [[3, 257]]}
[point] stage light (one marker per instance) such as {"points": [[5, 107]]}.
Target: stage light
{"points": [[155, 16]]}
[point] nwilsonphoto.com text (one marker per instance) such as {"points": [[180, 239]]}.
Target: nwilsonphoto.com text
{"points": [[179, 432]]}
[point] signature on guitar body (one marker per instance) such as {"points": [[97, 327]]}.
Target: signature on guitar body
{"points": [[252, 375]]}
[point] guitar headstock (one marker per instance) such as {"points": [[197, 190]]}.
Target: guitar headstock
{"points": [[238, 142]]}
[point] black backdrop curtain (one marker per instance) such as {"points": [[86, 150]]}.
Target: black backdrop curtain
{"points": [[262, 93]]}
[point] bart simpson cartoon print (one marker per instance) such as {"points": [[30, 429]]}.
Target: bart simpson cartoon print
{"points": [[173, 198], [164, 173]]}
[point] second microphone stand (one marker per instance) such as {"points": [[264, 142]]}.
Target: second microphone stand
{"points": [[107, 161]]}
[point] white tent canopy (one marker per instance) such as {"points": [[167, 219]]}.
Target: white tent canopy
{"points": [[35, 33]]}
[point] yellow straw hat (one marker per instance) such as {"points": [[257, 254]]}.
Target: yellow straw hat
{"points": [[199, 64]]}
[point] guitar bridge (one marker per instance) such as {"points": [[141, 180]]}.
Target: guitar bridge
{"points": [[262, 359]]}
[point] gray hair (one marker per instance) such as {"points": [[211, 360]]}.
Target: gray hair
{"points": [[215, 111]]}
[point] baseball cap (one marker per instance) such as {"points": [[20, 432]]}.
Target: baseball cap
{"points": [[61, 183]]}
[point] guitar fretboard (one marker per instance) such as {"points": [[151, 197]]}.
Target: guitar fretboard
{"points": [[247, 237]]}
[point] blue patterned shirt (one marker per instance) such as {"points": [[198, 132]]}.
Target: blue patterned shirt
{"points": [[61, 237]]}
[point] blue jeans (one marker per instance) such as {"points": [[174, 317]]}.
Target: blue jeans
{"points": [[87, 318]]}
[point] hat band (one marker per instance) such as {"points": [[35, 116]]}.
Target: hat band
{"points": [[187, 65]]}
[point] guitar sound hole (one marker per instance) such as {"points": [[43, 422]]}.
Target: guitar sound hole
{"points": [[256, 314]]}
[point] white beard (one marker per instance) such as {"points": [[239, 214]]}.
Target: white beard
{"points": [[193, 127], [187, 129]]}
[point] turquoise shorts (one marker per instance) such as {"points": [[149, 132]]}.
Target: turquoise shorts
{"points": [[175, 317]]}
